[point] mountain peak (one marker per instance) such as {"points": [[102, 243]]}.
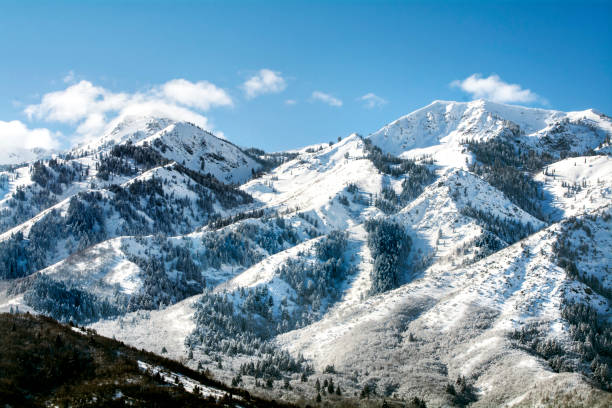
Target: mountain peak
{"points": [[126, 128], [440, 128]]}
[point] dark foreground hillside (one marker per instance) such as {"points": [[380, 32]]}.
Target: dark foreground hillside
{"points": [[45, 363]]}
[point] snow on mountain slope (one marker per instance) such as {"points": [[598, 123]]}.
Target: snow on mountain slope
{"points": [[102, 269], [154, 330], [113, 269], [164, 200], [267, 272], [181, 142], [200, 150], [440, 128], [127, 129], [577, 185], [180, 186], [26, 226], [455, 323], [313, 181], [439, 207], [12, 180], [154, 271], [584, 247], [39, 186], [445, 224], [263, 273]]}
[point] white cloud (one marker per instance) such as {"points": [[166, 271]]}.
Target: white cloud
{"points": [[372, 101], [202, 95], [326, 98], [493, 88], [266, 81], [76, 102], [92, 109], [290, 102], [93, 125], [16, 135]]}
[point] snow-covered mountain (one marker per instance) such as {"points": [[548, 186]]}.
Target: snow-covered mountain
{"points": [[459, 255], [169, 178], [441, 128], [180, 142]]}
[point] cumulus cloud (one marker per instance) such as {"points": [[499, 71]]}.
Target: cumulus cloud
{"points": [[202, 95], [493, 88], [326, 98], [76, 103], [16, 135], [266, 81], [290, 102], [93, 109], [372, 101]]}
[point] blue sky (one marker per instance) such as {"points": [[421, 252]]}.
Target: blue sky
{"points": [[285, 74]]}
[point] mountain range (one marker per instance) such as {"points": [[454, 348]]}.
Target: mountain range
{"points": [[460, 255]]}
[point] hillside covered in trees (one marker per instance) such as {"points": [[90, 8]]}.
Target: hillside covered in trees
{"points": [[47, 363]]}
